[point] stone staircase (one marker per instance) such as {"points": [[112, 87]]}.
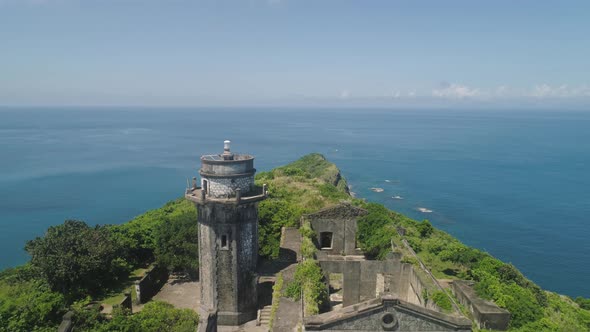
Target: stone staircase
{"points": [[265, 316]]}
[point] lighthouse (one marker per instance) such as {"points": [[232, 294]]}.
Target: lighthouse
{"points": [[227, 217]]}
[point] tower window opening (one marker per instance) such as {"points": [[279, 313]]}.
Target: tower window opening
{"points": [[224, 244], [326, 240]]}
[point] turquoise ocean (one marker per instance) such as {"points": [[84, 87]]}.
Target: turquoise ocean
{"points": [[513, 183]]}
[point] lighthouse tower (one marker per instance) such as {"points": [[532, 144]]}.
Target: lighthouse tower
{"points": [[227, 211]]}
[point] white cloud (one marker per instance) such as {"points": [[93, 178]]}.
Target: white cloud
{"points": [[397, 94], [458, 91], [455, 91], [562, 91]]}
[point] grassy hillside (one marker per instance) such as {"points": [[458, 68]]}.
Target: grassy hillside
{"points": [[304, 186], [312, 183]]}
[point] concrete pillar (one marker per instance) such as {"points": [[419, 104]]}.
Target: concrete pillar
{"points": [[351, 283]]}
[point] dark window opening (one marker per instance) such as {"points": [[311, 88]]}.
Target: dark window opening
{"points": [[326, 240], [224, 244]]}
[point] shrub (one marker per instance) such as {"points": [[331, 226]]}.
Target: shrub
{"points": [[375, 231], [293, 290], [176, 244], [308, 249], [29, 306], [583, 303], [309, 278], [293, 171], [276, 298], [273, 214], [521, 302], [306, 230], [425, 228], [409, 260], [330, 191], [77, 259], [442, 300], [155, 316], [415, 243]]}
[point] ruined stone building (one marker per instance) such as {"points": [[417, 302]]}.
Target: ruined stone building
{"points": [[374, 295], [366, 295]]}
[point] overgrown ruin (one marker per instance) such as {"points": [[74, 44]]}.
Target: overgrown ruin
{"points": [[364, 295]]}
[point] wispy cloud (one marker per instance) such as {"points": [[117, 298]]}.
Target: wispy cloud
{"points": [[455, 91], [562, 91]]}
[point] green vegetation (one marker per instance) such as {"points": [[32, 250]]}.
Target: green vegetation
{"points": [[176, 244], [442, 300], [276, 298], [154, 317], [583, 303], [293, 291], [308, 248], [310, 280], [73, 260], [375, 231], [304, 186], [27, 303], [158, 235]]}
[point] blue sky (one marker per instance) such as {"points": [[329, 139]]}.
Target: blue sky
{"points": [[288, 52]]}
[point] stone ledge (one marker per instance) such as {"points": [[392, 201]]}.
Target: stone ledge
{"points": [[197, 196], [486, 313]]}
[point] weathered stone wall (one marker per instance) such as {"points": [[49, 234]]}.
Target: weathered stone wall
{"points": [[207, 321], [228, 270], [412, 288], [486, 314], [207, 265], [224, 187], [66, 323], [360, 277], [360, 280], [231, 167], [126, 302], [151, 283], [386, 314], [370, 271], [341, 221]]}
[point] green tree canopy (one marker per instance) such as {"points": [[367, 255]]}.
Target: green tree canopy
{"points": [[177, 243], [76, 259]]}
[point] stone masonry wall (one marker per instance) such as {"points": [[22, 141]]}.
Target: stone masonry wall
{"points": [[414, 288], [226, 187], [228, 168], [151, 283]]}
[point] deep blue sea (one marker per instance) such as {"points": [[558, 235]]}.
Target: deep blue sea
{"points": [[516, 184]]}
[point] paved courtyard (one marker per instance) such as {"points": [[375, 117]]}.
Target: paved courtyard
{"points": [[182, 294]]}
